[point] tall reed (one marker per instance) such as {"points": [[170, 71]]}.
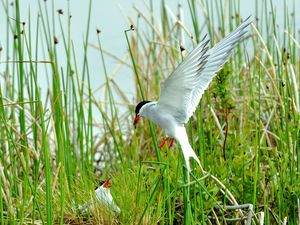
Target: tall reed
{"points": [[245, 130]]}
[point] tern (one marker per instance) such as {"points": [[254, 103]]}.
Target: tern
{"points": [[182, 90], [102, 196]]}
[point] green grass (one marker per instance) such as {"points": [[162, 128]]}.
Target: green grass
{"points": [[245, 130]]}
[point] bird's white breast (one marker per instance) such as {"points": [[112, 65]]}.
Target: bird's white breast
{"points": [[161, 118]]}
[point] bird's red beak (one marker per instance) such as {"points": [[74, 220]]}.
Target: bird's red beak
{"points": [[107, 183], [136, 120]]}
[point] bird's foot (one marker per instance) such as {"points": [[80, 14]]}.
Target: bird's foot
{"points": [[163, 142], [171, 143]]}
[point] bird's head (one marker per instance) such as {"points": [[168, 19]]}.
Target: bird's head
{"points": [[138, 111], [105, 184]]}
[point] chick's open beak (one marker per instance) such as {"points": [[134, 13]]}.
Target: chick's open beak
{"points": [[107, 183], [136, 120]]}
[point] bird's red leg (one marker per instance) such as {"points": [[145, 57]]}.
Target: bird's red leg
{"points": [[163, 142], [172, 143]]}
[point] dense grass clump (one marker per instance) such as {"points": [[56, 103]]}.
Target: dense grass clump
{"points": [[245, 130]]}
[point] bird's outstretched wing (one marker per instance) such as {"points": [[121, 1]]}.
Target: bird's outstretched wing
{"points": [[183, 89]]}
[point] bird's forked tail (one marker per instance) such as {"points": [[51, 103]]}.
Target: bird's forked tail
{"points": [[187, 151]]}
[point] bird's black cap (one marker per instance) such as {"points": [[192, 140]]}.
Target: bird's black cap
{"points": [[100, 184], [139, 106]]}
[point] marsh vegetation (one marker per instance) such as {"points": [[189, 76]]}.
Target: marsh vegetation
{"points": [[245, 130]]}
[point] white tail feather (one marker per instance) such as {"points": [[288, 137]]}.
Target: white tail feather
{"points": [[187, 150], [188, 153]]}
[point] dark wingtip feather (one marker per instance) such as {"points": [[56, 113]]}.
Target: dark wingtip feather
{"points": [[247, 21], [203, 39], [248, 18]]}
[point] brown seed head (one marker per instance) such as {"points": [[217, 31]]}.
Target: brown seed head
{"points": [[55, 39]]}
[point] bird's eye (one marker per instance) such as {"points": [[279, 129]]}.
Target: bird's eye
{"points": [[100, 184]]}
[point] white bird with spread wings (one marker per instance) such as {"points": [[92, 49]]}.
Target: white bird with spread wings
{"points": [[183, 89]]}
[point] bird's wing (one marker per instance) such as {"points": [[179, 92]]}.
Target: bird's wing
{"points": [[182, 90]]}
